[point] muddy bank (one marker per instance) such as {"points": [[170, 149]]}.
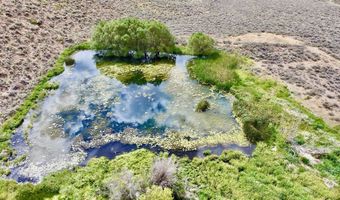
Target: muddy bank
{"points": [[33, 33]]}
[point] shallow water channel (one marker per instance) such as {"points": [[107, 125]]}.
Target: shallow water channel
{"points": [[81, 118]]}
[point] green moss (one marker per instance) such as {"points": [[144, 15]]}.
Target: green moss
{"points": [[38, 93]]}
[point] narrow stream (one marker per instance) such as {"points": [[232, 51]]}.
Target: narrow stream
{"points": [[88, 106]]}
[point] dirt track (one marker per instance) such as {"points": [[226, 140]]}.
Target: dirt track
{"points": [[33, 33]]}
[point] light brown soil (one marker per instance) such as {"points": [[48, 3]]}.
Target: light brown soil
{"points": [[311, 74]]}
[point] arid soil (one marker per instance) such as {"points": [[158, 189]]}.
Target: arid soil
{"points": [[311, 74], [34, 32]]}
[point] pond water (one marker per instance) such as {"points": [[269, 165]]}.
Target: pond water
{"points": [[85, 115]]}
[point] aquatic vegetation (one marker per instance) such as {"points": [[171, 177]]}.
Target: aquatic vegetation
{"points": [[38, 92], [128, 36], [141, 73], [201, 44], [202, 106], [69, 61]]}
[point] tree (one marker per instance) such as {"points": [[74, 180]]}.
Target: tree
{"points": [[128, 36], [159, 38], [201, 44]]}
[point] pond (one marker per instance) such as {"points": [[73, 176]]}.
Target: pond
{"points": [[93, 115]]}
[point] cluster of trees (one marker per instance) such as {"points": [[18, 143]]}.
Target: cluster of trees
{"points": [[131, 36], [144, 38]]}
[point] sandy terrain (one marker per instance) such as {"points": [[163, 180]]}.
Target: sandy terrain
{"points": [[34, 32]]}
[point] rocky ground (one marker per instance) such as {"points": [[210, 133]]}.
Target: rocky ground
{"points": [[34, 32]]}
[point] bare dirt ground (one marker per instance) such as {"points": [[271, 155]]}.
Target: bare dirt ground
{"points": [[310, 73], [34, 32]]}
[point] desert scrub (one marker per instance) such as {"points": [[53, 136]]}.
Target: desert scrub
{"points": [[38, 92], [163, 172], [139, 73], [217, 70], [202, 106]]}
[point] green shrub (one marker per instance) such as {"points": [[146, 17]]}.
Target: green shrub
{"points": [[157, 193], [123, 36], [201, 44], [258, 129], [202, 106], [330, 164], [300, 139], [69, 61], [207, 152], [229, 155]]}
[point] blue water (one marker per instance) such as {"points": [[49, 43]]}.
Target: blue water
{"points": [[89, 106]]}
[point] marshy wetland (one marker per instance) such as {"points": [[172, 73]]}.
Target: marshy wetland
{"points": [[130, 114], [90, 109]]}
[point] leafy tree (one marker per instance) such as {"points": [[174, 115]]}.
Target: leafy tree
{"points": [[201, 44], [159, 38], [131, 36]]}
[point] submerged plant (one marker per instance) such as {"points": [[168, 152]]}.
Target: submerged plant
{"points": [[69, 61], [133, 76], [202, 106]]}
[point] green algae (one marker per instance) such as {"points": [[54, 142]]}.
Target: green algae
{"points": [[140, 74]]}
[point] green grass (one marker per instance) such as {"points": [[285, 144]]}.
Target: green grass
{"points": [[38, 93], [268, 174], [217, 70]]}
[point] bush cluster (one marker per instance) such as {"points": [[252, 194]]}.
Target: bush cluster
{"points": [[131, 36], [201, 44]]}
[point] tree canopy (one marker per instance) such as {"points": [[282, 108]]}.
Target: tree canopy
{"points": [[201, 44], [133, 36]]}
